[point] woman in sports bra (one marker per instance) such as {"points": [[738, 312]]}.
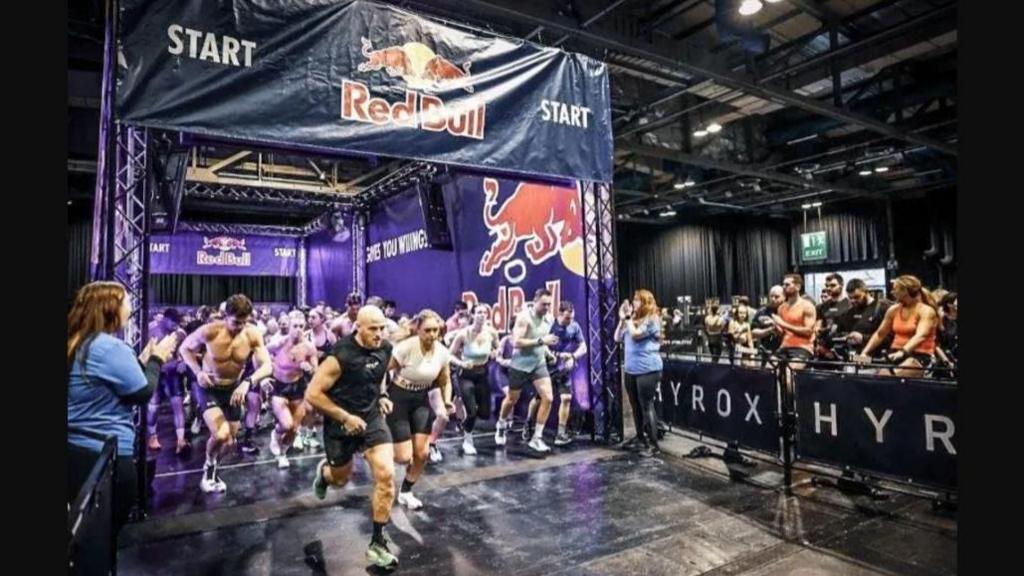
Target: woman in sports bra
{"points": [[472, 351], [419, 363], [914, 322], [322, 338]]}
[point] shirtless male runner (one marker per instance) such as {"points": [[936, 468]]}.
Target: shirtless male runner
{"points": [[217, 391], [295, 359]]}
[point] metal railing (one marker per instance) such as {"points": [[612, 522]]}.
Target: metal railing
{"points": [[92, 546]]}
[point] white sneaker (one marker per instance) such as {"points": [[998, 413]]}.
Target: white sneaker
{"points": [[312, 442], [208, 485], [197, 426], [299, 443], [538, 445], [499, 433], [275, 444], [467, 446], [210, 481], [282, 462], [409, 501], [435, 454]]}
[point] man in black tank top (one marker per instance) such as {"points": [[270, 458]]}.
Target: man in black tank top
{"points": [[349, 390]]}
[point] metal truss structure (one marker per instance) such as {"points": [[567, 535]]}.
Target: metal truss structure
{"points": [[268, 196], [602, 298]]}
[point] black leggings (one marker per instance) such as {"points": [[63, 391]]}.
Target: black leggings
{"points": [[80, 463], [642, 390], [476, 395], [715, 347]]}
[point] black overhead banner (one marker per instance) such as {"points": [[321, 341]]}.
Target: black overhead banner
{"points": [[905, 429], [728, 403], [365, 78]]}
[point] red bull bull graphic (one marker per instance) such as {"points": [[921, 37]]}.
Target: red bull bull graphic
{"points": [[421, 69], [548, 219], [416, 64], [223, 251]]}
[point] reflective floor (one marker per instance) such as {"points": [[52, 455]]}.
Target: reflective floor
{"points": [[582, 510]]}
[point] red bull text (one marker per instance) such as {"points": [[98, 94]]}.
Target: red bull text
{"points": [[418, 110], [511, 300]]}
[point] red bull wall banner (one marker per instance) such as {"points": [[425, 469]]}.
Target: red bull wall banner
{"points": [[512, 238], [366, 78], [223, 254]]}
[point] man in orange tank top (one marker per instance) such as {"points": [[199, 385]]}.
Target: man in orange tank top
{"points": [[795, 321]]}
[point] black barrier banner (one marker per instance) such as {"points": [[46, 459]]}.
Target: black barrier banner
{"points": [[365, 78], [901, 428], [729, 403]]}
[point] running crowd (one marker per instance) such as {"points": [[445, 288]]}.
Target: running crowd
{"points": [[386, 386], [376, 383]]}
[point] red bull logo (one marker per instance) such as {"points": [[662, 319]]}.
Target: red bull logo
{"points": [[228, 251], [223, 243], [547, 218], [422, 70]]}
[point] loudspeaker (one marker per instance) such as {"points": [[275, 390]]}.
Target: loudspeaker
{"points": [[168, 173], [435, 217]]}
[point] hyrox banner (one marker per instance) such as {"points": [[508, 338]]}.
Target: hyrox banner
{"points": [[724, 402], [363, 77], [902, 428]]}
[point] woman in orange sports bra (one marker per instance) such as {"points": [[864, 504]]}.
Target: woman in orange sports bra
{"points": [[914, 322]]}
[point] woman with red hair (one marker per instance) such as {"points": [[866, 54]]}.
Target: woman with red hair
{"points": [[105, 382], [639, 330]]}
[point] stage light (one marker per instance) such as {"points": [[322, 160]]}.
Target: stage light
{"points": [[700, 133], [881, 169], [714, 128], [749, 7]]}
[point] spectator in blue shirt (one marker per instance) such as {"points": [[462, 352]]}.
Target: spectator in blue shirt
{"points": [[105, 381], [639, 330]]}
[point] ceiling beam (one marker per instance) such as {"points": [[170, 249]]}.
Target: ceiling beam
{"points": [[750, 170], [853, 54], [692, 60], [228, 161]]}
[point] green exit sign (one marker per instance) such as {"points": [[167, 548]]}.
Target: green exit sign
{"points": [[813, 246]]}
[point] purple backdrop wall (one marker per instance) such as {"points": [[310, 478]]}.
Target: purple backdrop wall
{"points": [[329, 263], [399, 264], [510, 238]]}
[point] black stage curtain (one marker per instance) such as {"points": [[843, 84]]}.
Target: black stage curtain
{"points": [[79, 252], [714, 258], [198, 290], [853, 235]]}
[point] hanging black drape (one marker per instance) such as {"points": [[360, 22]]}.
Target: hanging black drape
{"points": [[197, 290], [79, 248], [853, 236], [715, 258]]}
